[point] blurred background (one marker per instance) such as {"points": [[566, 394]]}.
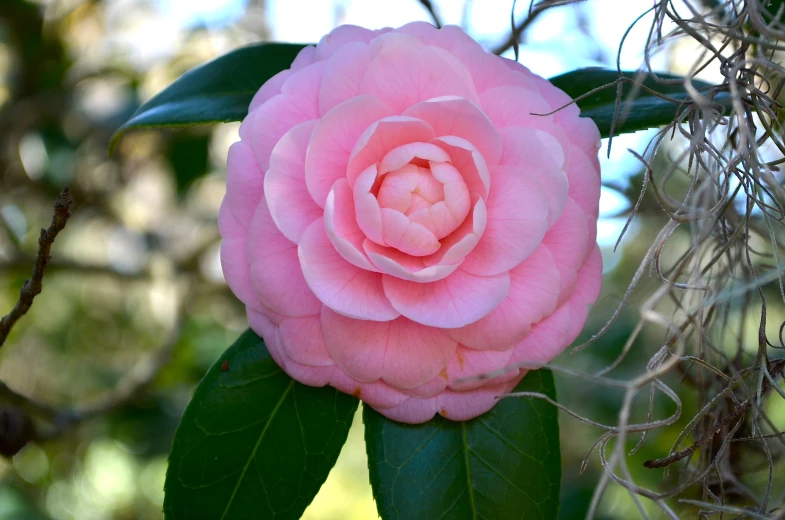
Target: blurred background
{"points": [[135, 291]]}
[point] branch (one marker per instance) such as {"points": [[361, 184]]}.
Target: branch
{"points": [[435, 17], [737, 413], [534, 12], [34, 285]]}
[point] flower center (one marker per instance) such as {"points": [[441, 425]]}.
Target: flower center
{"points": [[431, 194]]}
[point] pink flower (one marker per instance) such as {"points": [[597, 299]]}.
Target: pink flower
{"points": [[396, 219]]}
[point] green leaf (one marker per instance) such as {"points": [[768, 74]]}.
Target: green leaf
{"points": [[218, 91], [253, 443], [644, 110], [505, 464]]}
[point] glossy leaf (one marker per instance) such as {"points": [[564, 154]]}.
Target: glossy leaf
{"points": [[218, 91], [644, 110], [505, 464], [253, 443]]}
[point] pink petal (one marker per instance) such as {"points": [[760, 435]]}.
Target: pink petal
{"points": [[457, 406], [531, 298], [402, 75], [303, 86], [377, 394], [296, 103], [291, 206], [301, 339], [244, 183], [462, 118], [590, 277], [552, 335], [271, 121], [568, 239], [333, 140], [402, 353], [305, 57], [513, 106], [342, 75], [383, 136], [399, 232], [517, 221], [340, 223], [272, 86], [547, 339], [341, 36], [432, 388], [412, 411], [584, 134], [585, 184], [536, 152], [469, 161], [457, 199], [306, 374], [462, 406], [264, 327], [343, 287], [468, 363], [270, 89], [464, 239], [401, 265], [276, 276], [458, 300], [487, 70], [234, 258], [403, 155], [366, 206]]}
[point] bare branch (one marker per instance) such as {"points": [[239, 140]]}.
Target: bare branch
{"points": [[435, 17], [34, 285]]}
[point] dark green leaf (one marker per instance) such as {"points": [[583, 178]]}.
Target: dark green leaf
{"points": [[644, 110], [189, 156], [217, 92], [505, 464], [253, 443]]}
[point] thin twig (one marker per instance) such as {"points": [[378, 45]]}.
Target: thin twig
{"points": [[435, 17], [34, 285]]}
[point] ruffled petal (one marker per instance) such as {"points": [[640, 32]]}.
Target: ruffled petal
{"points": [[475, 364], [383, 136], [244, 183], [302, 340], [407, 267], [234, 257], [517, 221], [536, 152], [455, 301], [402, 74], [340, 222], [291, 206], [402, 353], [341, 36], [342, 75], [513, 106], [343, 287], [460, 117], [333, 140], [531, 298], [469, 161], [402, 155], [400, 232], [276, 276]]}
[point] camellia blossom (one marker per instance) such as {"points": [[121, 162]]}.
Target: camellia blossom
{"points": [[400, 216]]}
